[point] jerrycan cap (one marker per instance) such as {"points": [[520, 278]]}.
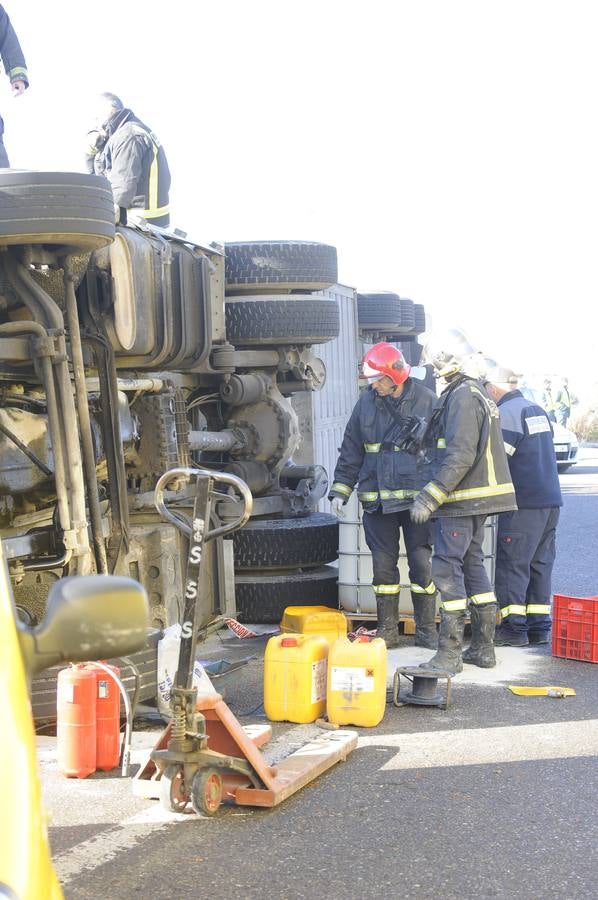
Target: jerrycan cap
{"points": [[289, 642], [363, 639]]}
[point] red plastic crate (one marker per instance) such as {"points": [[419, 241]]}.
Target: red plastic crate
{"points": [[575, 627]]}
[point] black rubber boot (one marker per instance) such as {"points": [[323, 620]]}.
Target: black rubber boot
{"points": [[387, 609], [424, 613], [505, 638], [450, 643], [481, 650]]}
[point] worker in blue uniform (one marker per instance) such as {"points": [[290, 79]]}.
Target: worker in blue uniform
{"points": [[14, 66], [379, 456], [526, 546]]}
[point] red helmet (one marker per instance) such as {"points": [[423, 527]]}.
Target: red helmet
{"points": [[384, 359]]}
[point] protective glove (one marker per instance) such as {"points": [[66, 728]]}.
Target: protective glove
{"points": [[423, 507], [338, 507]]}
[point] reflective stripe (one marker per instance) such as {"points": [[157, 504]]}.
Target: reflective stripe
{"points": [[397, 495], [441, 443], [375, 448], [151, 213], [386, 588], [453, 605], [490, 463], [515, 609], [510, 449], [153, 180], [482, 599], [16, 72], [471, 493], [341, 489], [418, 589], [538, 609], [367, 496], [435, 491]]}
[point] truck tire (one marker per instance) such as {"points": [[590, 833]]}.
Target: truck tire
{"points": [[385, 310], [286, 543], [420, 317], [257, 321], [59, 208], [43, 687], [288, 265], [264, 598]]}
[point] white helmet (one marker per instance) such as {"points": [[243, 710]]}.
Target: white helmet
{"points": [[501, 376], [450, 352]]}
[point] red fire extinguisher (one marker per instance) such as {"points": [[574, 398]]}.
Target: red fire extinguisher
{"points": [[76, 721], [107, 718]]}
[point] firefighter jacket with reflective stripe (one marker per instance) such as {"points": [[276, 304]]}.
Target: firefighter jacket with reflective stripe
{"points": [[527, 435], [134, 161], [465, 458], [386, 477], [10, 51]]}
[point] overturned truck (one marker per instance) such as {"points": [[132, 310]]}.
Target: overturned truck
{"points": [[125, 353]]}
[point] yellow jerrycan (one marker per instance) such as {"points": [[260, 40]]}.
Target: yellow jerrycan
{"points": [[356, 692], [329, 623], [295, 677]]}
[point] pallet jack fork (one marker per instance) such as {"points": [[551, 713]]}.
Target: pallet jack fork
{"points": [[204, 755]]}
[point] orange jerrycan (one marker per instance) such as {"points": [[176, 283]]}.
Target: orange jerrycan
{"points": [[329, 623], [295, 678], [76, 721], [357, 681]]}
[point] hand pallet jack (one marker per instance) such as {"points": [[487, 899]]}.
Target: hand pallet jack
{"points": [[204, 755]]}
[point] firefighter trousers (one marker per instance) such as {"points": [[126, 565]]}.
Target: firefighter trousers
{"points": [[525, 556], [383, 534], [458, 562]]}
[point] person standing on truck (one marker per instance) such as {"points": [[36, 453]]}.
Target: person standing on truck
{"points": [[16, 69], [525, 550], [379, 455], [468, 480], [130, 155]]}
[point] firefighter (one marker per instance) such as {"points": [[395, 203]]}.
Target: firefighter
{"points": [[15, 67], [379, 455], [130, 155], [468, 480], [526, 536]]}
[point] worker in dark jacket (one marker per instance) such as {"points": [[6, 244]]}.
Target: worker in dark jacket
{"points": [[379, 455], [525, 550], [14, 66], [468, 480], [132, 158]]}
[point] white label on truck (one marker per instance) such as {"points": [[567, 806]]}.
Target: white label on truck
{"points": [[103, 690], [318, 680], [352, 680]]}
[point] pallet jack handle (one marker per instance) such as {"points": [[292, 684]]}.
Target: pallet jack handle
{"points": [[185, 472]]}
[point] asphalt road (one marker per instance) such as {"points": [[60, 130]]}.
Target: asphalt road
{"points": [[494, 798]]}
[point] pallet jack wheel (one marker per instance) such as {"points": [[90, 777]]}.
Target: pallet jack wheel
{"points": [[206, 792], [172, 797]]}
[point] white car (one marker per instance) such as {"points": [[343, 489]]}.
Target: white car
{"points": [[565, 441], [565, 445]]}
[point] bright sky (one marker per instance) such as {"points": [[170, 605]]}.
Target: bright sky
{"points": [[448, 149]]}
